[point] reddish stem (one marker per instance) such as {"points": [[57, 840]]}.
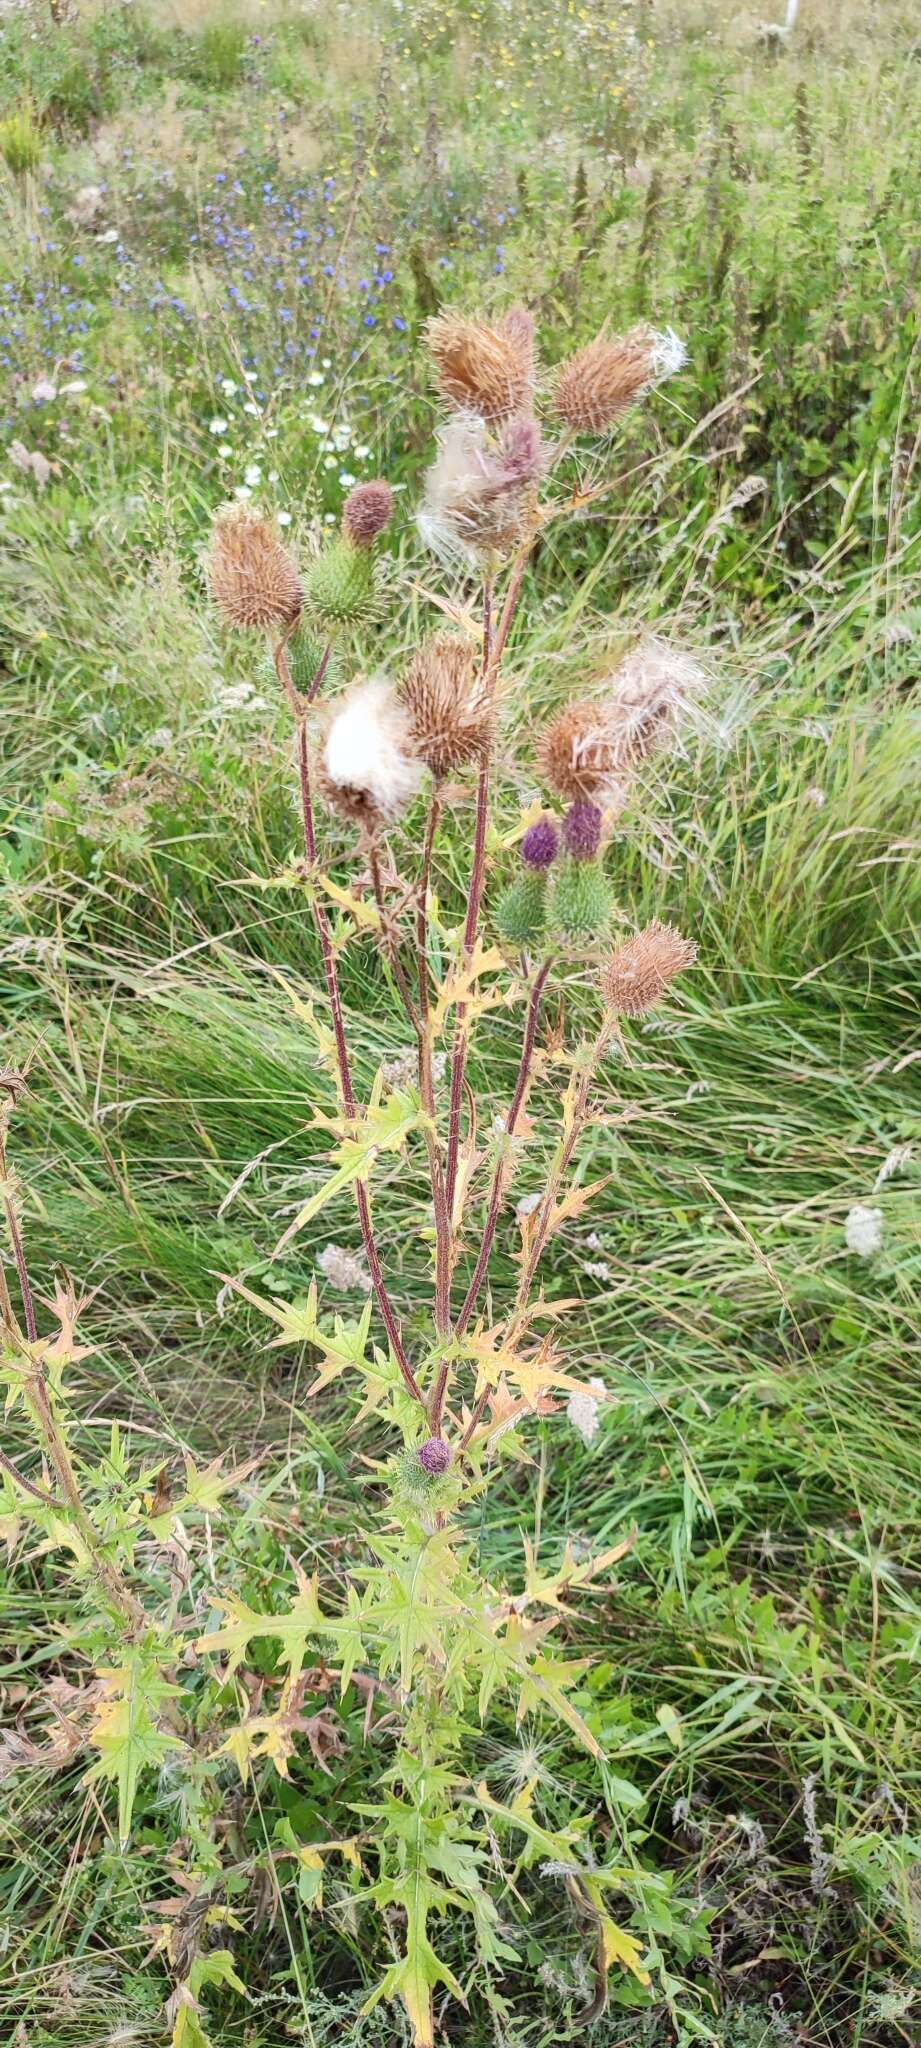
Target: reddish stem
{"points": [[342, 1055], [495, 1200]]}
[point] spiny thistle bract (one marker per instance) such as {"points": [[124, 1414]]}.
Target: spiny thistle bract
{"points": [[449, 711], [251, 576], [306, 651], [520, 914], [582, 901], [339, 587]]}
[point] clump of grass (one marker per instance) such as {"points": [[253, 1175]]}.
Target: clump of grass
{"points": [[218, 53], [21, 141]]}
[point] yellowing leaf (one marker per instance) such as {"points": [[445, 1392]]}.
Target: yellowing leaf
{"points": [[459, 985], [365, 914], [620, 1947]]}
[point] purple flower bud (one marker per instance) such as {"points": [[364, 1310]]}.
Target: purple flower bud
{"points": [[540, 845], [582, 829], [434, 1456]]}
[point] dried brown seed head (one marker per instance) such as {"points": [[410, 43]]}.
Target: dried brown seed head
{"points": [[486, 370], [474, 505], [252, 578], [594, 386], [577, 756], [366, 512], [640, 972], [368, 767], [449, 714]]}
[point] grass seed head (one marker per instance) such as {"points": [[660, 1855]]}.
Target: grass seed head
{"points": [[252, 579], [641, 971]]}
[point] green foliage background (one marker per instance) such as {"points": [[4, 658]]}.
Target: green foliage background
{"points": [[604, 161]]}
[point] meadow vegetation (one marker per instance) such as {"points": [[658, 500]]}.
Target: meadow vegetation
{"points": [[224, 230]]}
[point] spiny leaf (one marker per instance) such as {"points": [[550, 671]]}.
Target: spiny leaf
{"points": [[125, 1731]]}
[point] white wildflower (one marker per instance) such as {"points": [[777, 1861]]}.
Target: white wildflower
{"points": [[75, 385], [366, 749], [316, 378], [225, 449], [228, 386], [218, 426], [815, 795], [252, 474], [863, 1230], [583, 1410], [344, 1270], [44, 391], [597, 1269], [109, 235], [284, 518], [894, 1162], [243, 491], [347, 479], [254, 410]]}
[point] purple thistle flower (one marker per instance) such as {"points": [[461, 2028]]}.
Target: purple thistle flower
{"points": [[434, 1456], [582, 829], [540, 844]]}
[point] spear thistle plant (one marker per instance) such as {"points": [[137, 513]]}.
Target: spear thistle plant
{"points": [[377, 758], [424, 1629]]}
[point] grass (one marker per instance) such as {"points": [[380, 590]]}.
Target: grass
{"points": [[754, 1671]]}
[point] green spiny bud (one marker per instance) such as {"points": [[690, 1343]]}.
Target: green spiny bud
{"points": [[339, 585], [582, 900], [305, 652], [521, 912]]}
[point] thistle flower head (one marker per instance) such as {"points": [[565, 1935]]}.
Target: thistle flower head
{"points": [[252, 578], [434, 1456], [368, 769], [582, 829], [578, 757], [540, 845], [593, 748], [481, 369], [648, 697], [449, 715], [641, 971], [366, 512], [522, 449], [473, 504], [593, 387]]}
